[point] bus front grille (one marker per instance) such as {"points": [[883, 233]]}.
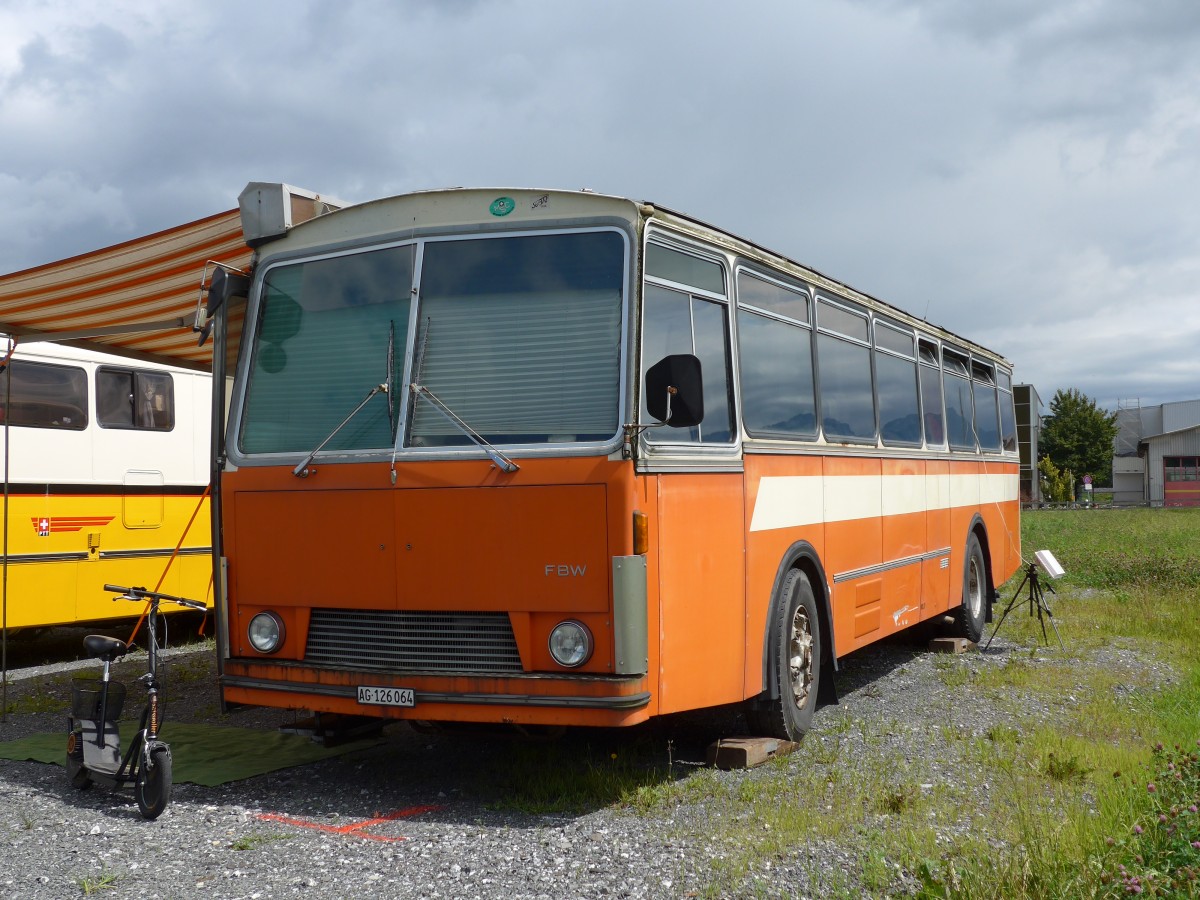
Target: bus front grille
{"points": [[413, 641]]}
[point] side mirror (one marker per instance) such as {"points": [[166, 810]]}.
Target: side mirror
{"points": [[223, 285], [675, 391]]}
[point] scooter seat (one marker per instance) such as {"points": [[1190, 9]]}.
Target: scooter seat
{"points": [[105, 648]]}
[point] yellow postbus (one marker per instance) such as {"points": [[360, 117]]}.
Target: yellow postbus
{"points": [[559, 458], [106, 470]]}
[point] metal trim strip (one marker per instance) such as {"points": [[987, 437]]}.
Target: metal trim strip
{"points": [[15, 559], [150, 554], [888, 566]]}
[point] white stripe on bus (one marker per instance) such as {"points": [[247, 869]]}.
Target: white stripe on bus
{"points": [[789, 501]]}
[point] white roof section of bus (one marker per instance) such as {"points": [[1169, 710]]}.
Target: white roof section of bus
{"points": [[452, 209]]}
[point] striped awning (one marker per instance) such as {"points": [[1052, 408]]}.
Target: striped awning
{"points": [[138, 298]]}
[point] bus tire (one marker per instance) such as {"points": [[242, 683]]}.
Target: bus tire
{"points": [[972, 613], [796, 654]]}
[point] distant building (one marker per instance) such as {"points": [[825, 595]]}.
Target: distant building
{"points": [[1156, 454], [1029, 431]]}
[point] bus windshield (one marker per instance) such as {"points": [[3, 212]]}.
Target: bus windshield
{"points": [[518, 335]]}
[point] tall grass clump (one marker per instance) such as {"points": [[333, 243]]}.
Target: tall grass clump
{"points": [[1159, 854]]}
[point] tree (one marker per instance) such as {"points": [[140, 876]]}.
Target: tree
{"points": [[1058, 486], [1078, 435]]}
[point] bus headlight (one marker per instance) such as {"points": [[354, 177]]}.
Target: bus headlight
{"points": [[265, 632], [570, 644]]}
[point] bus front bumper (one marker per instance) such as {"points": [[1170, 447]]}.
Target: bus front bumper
{"points": [[525, 699]]}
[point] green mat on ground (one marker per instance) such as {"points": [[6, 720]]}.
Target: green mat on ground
{"points": [[203, 754]]}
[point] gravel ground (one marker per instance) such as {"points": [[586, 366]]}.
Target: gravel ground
{"points": [[442, 828]]}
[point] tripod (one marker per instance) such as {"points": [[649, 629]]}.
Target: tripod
{"points": [[1037, 601]]}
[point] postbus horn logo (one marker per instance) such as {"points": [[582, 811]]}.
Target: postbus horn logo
{"points": [[47, 525]]}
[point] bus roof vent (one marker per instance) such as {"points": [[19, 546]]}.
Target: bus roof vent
{"points": [[269, 209]]}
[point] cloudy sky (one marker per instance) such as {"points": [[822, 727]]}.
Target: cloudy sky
{"points": [[1023, 172]]}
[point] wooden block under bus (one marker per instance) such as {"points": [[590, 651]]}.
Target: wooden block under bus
{"points": [[746, 752], [951, 645]]}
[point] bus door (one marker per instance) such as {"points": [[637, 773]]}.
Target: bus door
{"points": [[698, 485]]}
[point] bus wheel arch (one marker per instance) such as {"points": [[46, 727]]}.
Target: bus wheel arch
{"points": [[798, 651]]}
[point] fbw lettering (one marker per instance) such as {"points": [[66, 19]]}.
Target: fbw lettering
{"points": [[568, 571]]}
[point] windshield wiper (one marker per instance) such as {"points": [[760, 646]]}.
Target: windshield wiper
{"points": [[501, 461], [301, 470]]}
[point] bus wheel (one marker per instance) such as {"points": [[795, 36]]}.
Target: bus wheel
{"points": [[796, 656], [973, 612]]}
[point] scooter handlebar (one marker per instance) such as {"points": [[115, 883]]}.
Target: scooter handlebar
{"points": [[137, 593]]}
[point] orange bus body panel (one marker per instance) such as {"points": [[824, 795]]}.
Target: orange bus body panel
{"points": [[766, 548], [701, 585], [937, 588]]}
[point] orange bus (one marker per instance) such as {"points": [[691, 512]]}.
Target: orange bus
{"points": [[559, 458]]}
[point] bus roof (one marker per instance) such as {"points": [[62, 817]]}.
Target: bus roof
{"points": [[468, 209]]}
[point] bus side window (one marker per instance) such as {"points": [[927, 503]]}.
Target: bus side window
{"points": [[960, 413], [135, 399], [775, 360], [844, 373], [931, 394], [679, 323], [48, 396]]}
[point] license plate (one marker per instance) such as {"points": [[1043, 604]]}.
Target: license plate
{"points": [[385, 696]]}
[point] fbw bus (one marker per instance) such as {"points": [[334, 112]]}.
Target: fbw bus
{"points": [[105, 462], [558, 458]]}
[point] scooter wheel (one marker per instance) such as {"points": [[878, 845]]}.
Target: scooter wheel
{"points": [[153, 787], [81, 780]]}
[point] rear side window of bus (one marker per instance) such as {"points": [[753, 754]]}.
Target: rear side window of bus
{"points": [[45, 396], [987, 412], [1008, 418], [127, 398]]}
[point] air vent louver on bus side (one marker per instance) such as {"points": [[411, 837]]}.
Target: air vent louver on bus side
{"points": [[458, 642]]}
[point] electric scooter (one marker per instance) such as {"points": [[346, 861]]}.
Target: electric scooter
{"points": [[93, 740]]}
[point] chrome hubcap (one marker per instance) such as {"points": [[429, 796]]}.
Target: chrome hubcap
{"points": [[974, 587], [800, 657]]}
